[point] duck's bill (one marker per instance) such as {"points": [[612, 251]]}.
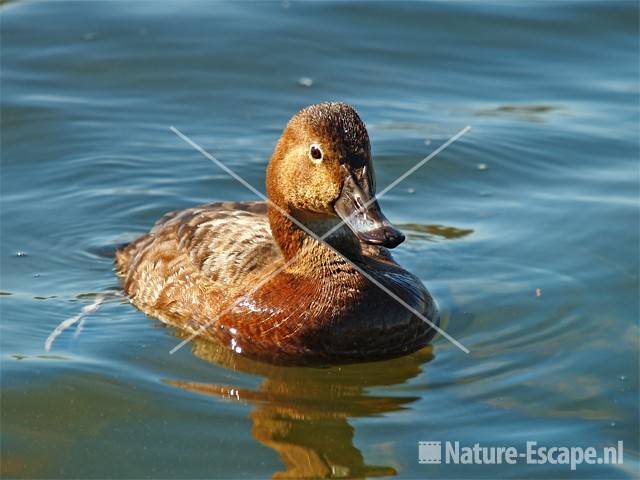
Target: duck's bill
{"points": [[364, 217]]}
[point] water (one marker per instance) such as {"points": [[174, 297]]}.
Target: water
{"points": [[525, 230]]}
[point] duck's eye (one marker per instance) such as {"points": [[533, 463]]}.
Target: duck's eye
{"points": [[315, 153]]}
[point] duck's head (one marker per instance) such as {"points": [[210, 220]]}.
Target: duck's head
{"points": [[321, 173]]}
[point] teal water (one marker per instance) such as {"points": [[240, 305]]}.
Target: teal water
{"points": [[525, 231]]}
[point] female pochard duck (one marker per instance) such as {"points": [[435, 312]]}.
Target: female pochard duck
{"points": [[198, 269]]}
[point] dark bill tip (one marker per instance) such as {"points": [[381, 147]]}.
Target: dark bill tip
{"points": [[385, 236], [361, 212]]}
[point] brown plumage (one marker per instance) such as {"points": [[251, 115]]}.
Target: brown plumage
{"points": [[200, 264]]}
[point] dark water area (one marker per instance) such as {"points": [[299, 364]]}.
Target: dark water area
{"points": [[525, 230]]}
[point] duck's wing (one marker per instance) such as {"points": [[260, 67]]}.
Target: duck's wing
{"points": [[228, 241], [223, 243]]}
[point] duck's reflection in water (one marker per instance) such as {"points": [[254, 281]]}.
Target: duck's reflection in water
{"points": [[303, 413]]}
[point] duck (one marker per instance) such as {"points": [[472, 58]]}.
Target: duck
{"points": [[306, 277]]}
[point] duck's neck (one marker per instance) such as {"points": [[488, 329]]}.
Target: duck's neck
{"points": [[298, 246]]}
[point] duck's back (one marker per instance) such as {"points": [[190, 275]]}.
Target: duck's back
{"points": [[193, 260]]}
